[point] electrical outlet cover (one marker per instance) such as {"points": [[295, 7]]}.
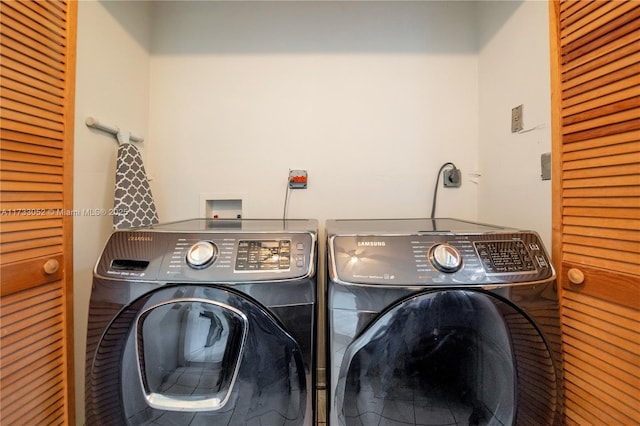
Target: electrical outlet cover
{"points": [[452, 178], [516, 119], [297, 179]]}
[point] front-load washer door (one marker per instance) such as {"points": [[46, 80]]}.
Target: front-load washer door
{"points": [[451, 357], [196, 355]]}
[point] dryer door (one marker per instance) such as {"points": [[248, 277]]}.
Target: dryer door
{"points": [[450, 357], [196, 355]]}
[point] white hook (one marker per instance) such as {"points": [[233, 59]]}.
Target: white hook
{"points": [[123, 137]]}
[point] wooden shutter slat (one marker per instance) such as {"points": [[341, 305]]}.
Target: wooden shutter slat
{"points": [[631, 224], [590, 101], [605, 233], [599, 171], [21, 126], [30, 167], [603, 403], [33, 113], [36, 223], [622, 202], [605, 327], [30, 234], [576, 412], [619, 65], [26, 387], [614, 191], [596, 143], [595, 47], [624, 316], [605, 130], [577, 13], [628, 246], [11, 176], [28, 89], [10, 136], [598, 57], [48, 22], [622, 160], [30, 413], [39, 37], [18, 381], [624, 77], [7, 248], [603, 116], [27, 80], [22, 100], [596, 27], [602, 182], [42, 326], [34, 159], [29, 186], [27, 55], [614, 377], [601, 212], [571, 7], [595, 150], [31, 149], [23, 312], [29, 197], [601, 253], [26, 122], [55, 8]]}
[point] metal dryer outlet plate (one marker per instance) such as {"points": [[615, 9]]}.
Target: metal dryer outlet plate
{"points": [[452, 178], [516, 119]]}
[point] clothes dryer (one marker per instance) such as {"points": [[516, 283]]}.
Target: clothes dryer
{"points": [[204, 322], [441, 322]]}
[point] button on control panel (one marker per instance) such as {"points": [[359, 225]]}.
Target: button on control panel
{"points": [[504, 257]]}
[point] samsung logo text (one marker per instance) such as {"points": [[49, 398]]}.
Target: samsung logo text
{"points": [[371, 243], [140, 238]]}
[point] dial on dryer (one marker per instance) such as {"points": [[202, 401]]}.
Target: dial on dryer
{"points": [[202, 254], [445, 258]]}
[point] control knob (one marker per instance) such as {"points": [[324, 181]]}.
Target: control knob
{"points": [[201, 254], [445, 258]]}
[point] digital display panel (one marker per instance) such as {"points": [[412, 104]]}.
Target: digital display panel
{"points": [[263, 255]]}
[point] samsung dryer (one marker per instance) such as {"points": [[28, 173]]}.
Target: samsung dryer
{"points": [[204, 322], [441, 322]]}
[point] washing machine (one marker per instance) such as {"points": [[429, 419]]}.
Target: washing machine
{"points": [[441, 322], [204, 322]]}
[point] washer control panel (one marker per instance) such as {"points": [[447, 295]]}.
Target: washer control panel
{"points": [[439, 259], [208, 257]]}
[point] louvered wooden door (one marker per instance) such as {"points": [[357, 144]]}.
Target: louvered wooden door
{"points": [[595, 48], [37, 40]]}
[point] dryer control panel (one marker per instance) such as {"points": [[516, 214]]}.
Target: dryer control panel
{"points": [[439, 259]]}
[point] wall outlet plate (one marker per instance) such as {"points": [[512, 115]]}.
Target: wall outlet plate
{"points": [[452, 178], [516, 119], [297, 179], [545, 166]]}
